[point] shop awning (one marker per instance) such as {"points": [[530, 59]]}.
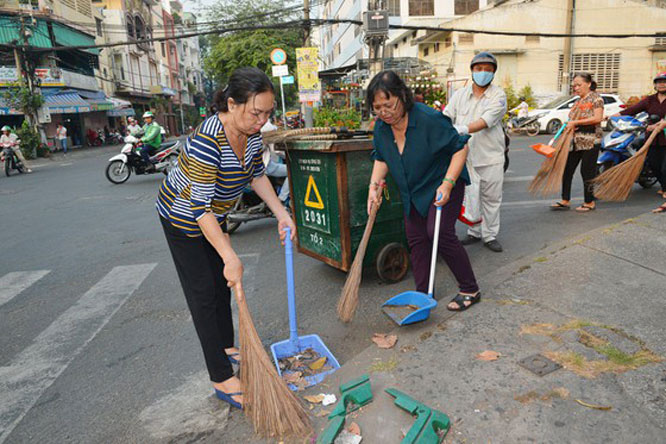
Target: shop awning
{"points": [[66, 103], [96, 99], [120, 108], [10, 27], [66, 36]]}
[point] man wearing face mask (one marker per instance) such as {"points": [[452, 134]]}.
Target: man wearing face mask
{"points": [[478, 109]]}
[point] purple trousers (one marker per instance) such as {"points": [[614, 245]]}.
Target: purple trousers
{"points": [[420, 232]]}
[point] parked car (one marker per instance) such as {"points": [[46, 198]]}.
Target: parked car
{"points": [[552, 115]]}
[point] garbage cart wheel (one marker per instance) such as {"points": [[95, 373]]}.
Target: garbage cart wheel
{"points": [[392, 262]]}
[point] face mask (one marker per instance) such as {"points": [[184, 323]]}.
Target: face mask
{"points": [[483, 78]]}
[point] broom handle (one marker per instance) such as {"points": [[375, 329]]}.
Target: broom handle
{"points": [[433, 258], [360, 252], [291, 293]]}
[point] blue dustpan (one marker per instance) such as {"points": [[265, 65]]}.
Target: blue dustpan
{"points": [[423, 302], [298, 344]]}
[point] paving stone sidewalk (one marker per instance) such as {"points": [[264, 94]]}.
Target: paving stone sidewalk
{"points": [[593, 304]]}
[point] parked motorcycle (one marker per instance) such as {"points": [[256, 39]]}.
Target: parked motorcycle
{"points": [[114, 138], [626, 138], [94, 138], [527, 125], [121, 165], [249, 206], [12, 162]]}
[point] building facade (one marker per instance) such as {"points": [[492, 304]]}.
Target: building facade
{"points": [[622, 66]]}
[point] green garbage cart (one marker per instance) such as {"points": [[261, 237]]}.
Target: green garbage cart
{"points": [[329, 189]]}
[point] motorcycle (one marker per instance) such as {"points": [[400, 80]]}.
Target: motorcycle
{"points": [[93, 138], [249, 206], [121, 165], [626, 138], [528, 125], [12, 162], [114, 138]]}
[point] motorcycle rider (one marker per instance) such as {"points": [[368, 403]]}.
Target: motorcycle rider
{"points": [[11, 139], [152, 139], [273, 168], [654, 104]]}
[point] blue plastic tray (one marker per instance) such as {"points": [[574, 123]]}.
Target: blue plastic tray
{"points": [[421, 300]]}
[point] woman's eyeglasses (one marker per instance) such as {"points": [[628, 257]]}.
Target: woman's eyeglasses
{"points": [[385, 109]]}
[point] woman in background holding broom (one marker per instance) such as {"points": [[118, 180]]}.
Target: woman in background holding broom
{"points": [[221, 157], [589, 112], [426, 157]]}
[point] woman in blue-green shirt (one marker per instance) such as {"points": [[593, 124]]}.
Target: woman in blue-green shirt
{"points": [[426, 158]]}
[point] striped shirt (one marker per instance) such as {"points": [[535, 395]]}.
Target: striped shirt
{"points": [[208, 178]]}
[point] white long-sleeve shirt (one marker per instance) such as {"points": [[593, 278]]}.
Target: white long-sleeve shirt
{"points": [[486, 147]]}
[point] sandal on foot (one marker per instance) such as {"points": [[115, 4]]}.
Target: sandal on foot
{"points": [[585, 208], [559, 206], [234, 360], [228, 397], [660, 209], [460, 299]]}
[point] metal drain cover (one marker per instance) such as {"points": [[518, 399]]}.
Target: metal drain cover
{"points": [[539, 365]]}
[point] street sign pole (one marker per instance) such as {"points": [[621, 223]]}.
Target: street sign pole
{"points": [[284, 111]]}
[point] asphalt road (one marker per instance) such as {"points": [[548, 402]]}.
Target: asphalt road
{"points": [[96, 343]]}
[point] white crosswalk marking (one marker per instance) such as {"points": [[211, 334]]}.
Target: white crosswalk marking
{"points": [[14, 283], [29, 374]]}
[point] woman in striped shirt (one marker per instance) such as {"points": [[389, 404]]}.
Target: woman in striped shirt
{"points": [[221, 157]]}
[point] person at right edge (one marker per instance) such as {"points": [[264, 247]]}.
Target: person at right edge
{"points": [[589, 112], [654, 104], [478, 110]]}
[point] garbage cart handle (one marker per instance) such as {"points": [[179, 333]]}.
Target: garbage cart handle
{"points": [[291, 293]]}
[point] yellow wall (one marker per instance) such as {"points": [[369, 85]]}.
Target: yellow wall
{"points": [[536, 63]]}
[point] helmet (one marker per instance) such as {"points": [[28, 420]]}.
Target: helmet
{"points": [[660, 76], [484, 57], [6, 128], [148, 114]]}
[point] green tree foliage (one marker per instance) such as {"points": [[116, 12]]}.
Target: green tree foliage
{"points": [[228, 51], [30, 142], [329, 116]]}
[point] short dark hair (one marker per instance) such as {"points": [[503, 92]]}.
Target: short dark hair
{"points": [[243, 84], [390, 83], [587, 77]]}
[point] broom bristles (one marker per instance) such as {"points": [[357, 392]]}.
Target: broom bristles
{"points": [[348, 301], [548, 179], [273, 409], [282, 135], [616, 183]]}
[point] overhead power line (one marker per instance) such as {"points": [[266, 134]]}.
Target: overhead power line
{"points": [[299, 24]]}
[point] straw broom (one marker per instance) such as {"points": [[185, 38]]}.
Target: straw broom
{"points": [[349, 297], [615, 183], [548, 179], [273, 409]]}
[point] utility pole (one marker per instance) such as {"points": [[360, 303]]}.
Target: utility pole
{"points": [[25, 67], [567, 61], [307, 108]]}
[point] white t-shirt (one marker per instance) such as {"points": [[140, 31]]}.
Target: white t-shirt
{"points": [[133, 129], [61, 133], [523, 109], [12, 138]]}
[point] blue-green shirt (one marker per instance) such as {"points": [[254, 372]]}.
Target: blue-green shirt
{"points": [[430, 143]]}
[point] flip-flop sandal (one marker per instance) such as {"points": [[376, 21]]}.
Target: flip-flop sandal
{"points": [[234, 360], [660, 209], [585, 209], [461, 299], [227, 397], [559, 206]]}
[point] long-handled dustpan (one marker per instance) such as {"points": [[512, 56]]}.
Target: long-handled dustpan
{"points": [[548, 150], [413, 306], [298, 344]]}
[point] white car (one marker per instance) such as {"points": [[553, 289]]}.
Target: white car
{"points": [[552, 115]]}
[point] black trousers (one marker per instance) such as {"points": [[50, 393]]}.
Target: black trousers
{"points": [[588, 170], [200, 271], [656, 158]]}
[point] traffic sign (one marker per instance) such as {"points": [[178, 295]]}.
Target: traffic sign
{"points": [[280, 70], [278, 56], [288, 80]]}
